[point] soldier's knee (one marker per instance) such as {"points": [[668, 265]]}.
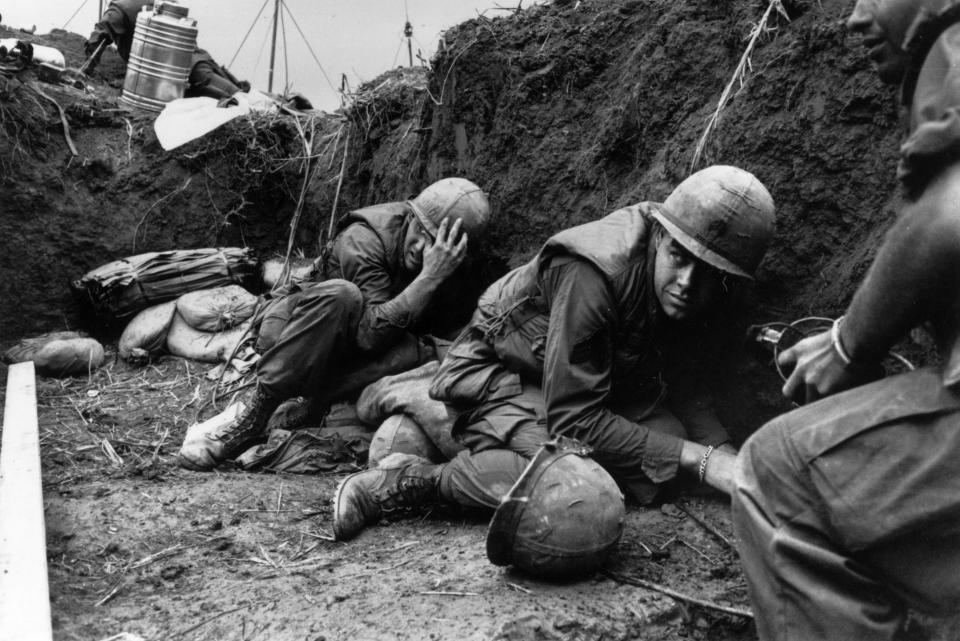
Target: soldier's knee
{"points": [[344, 292], [767, 467]]}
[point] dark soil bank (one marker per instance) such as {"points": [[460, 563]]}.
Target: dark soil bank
{"points": [[562, 112]]}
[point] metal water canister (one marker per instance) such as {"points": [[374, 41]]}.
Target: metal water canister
{"points": [[160, 57]]}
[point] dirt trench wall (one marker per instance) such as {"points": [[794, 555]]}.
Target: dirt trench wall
{"points": [[566, 112], [562, 112]]}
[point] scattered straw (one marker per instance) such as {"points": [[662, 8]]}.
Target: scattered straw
{"points": [[679, 596], [739, 74]]}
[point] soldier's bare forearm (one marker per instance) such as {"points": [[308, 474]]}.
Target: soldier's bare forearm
{"points": [[916, 271]]}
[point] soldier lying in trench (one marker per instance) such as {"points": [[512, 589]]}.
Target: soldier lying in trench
{"points": [[117, 26], [582, 342]]}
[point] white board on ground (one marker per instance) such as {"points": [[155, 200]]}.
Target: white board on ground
{"points": [[24, 593]]}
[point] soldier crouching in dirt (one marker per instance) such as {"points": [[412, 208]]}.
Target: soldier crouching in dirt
{"points": [[117, 25], [580, 342], [848, 509], [389, 267]]}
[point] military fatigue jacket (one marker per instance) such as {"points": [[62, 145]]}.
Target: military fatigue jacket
{"points": [[582, 321]]}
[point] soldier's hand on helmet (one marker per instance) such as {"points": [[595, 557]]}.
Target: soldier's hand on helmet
{"points": [[446, 253], [818, 370]]}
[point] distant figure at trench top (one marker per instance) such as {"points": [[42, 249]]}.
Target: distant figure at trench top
{"points": [[397, 272], [848, 509], [117, 25], [583, 342]]}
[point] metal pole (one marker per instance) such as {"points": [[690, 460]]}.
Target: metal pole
{"points": [[408, 32], [273, 44]]}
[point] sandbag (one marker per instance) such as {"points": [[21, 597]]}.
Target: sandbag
{"points": [[71, 357], [217, 309], [209, 347], [146, 334], [58, 354], [120, 289], [24, 350]]}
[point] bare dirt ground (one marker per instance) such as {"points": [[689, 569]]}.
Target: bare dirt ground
{"points": [[138, 546]]}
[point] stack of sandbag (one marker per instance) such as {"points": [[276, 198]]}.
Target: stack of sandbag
{"points": [[205, 326], [118, 290], [58, 354]]}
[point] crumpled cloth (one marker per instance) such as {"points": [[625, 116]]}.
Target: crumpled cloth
{"points": [[186, 119], [407, 393], [308, 451], [342, 441], [338, 444]]}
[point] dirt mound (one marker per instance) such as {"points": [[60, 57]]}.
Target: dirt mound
{"points": [[562, 112]]}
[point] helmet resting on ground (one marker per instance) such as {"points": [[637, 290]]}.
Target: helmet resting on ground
{"points": [[400, 433], [453, 198], [562, 518], [722, 215]]}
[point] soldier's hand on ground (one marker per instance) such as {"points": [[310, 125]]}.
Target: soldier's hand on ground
{"points": [[818, 370], [446, 253]]}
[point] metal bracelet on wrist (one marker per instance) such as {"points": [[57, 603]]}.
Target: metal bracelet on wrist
{"points": [[837, 344], [703, 463]]}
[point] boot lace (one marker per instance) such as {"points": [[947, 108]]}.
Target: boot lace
{"points": [[248, 427], [410, 494]]}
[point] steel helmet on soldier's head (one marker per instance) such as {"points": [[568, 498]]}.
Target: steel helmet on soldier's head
{"points": [[454, 198], [561, 519], [722, 215]]}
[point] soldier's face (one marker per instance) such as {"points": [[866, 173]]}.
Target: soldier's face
{"points": [[416, 240], [883, 25], [685, 285]]}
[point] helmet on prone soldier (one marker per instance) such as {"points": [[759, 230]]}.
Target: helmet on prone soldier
{"points": [[722, 215], [453, 198]]}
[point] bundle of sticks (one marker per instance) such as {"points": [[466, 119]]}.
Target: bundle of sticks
{"points": [[119, 289]]}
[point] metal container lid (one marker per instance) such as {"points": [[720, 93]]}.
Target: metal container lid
{"points": [[171, 8]]}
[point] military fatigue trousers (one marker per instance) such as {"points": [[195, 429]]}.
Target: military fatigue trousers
{"points": [[848, 511]]}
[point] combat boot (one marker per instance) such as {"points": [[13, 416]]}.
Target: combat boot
{"points": [[402, 483], [228, 434]]}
